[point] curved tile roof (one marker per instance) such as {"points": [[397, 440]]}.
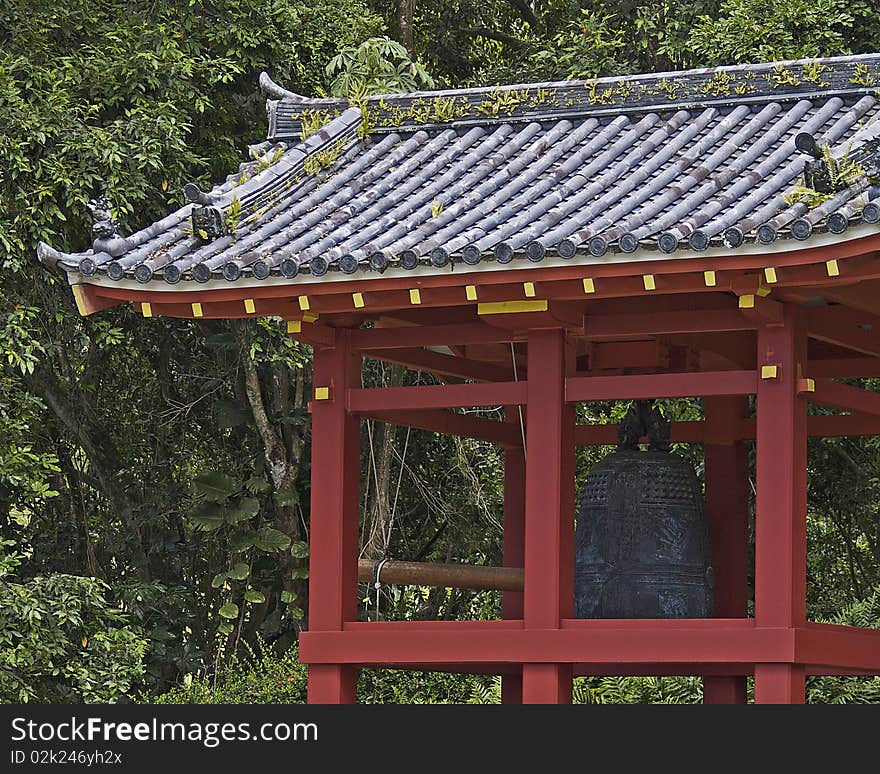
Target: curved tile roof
{"points": [[589, 171]]}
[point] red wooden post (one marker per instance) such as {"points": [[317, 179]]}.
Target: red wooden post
{"points": [[549, 508], [727, 501], [334, 513], [514, 545], [780, 521]]}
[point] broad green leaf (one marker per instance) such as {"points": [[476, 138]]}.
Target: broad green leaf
{"points": [[299, 549], [239, 571], [208, 516], [215, 486], [255, 597], [218, 580], [242, 541], [225, 628], [270, 539], [288, 596], [229, 610], [257, 484], [246, 509], [299, 573]]}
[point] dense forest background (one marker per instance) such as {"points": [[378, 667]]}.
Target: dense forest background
{"points": [[146, 553]]}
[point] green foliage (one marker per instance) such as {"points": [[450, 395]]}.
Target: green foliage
{"points": [[585, 47], [802, 194], [376, 66], [323, 159], [767, 30], [233, 215], [258, 676], [311, 121], [61, 640]]}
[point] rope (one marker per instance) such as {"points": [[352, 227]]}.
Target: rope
{"points": [[377, 583]]}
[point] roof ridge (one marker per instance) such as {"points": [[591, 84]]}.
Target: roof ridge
{"points": [[786, 80]]}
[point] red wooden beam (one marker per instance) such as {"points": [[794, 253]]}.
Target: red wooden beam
{"points": [[334, 515], [548, 596], [727, 508], [446, 365], [651, 355], [845, 398], [614, 642], [89, 300], [434, 336], [683, 275], [367, 400], [311, 333], [861, 296], [678, 385], [514, 543], [612, 326], [845, 368], [781, 500], [819, 426], [849, 328], [451, 423], [843, 647], [760, 310]]}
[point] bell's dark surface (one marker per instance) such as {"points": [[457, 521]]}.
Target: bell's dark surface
{"points": [[642, 541]]}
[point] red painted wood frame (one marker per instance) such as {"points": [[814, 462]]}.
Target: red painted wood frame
{"points": [[781, 500], [334, 515], [537, 646]]}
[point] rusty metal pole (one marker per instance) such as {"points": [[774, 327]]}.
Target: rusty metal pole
{"points": [[456, 576]]}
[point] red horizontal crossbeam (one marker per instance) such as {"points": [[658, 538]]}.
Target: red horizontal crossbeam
{"points": [[692, 641], [600, 646], [610, 326], [820, 426], [845, 368], [848, 647], [371, 399], [418, 359], [433, 336], [643, 386], [845, 398], [844, 327]]}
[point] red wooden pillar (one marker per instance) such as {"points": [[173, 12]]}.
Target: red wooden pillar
{"points": [[514, 546], [727, 503], [549, 508], [781, 507], [334, 513]]}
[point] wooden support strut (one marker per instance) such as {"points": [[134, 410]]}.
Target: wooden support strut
{"points": [[549, 506], [454, 576], [780, 518], [334, 514]]}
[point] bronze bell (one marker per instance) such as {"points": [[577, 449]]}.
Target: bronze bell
{"points": [[642, 541]]}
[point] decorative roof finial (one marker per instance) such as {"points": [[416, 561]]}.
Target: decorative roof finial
{"points": [[104, 228], [103, 224]]}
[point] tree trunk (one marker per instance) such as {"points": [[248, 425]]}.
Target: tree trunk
{"points": [[380, 516], [77, 418], [405, 12], [282, 449]]}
